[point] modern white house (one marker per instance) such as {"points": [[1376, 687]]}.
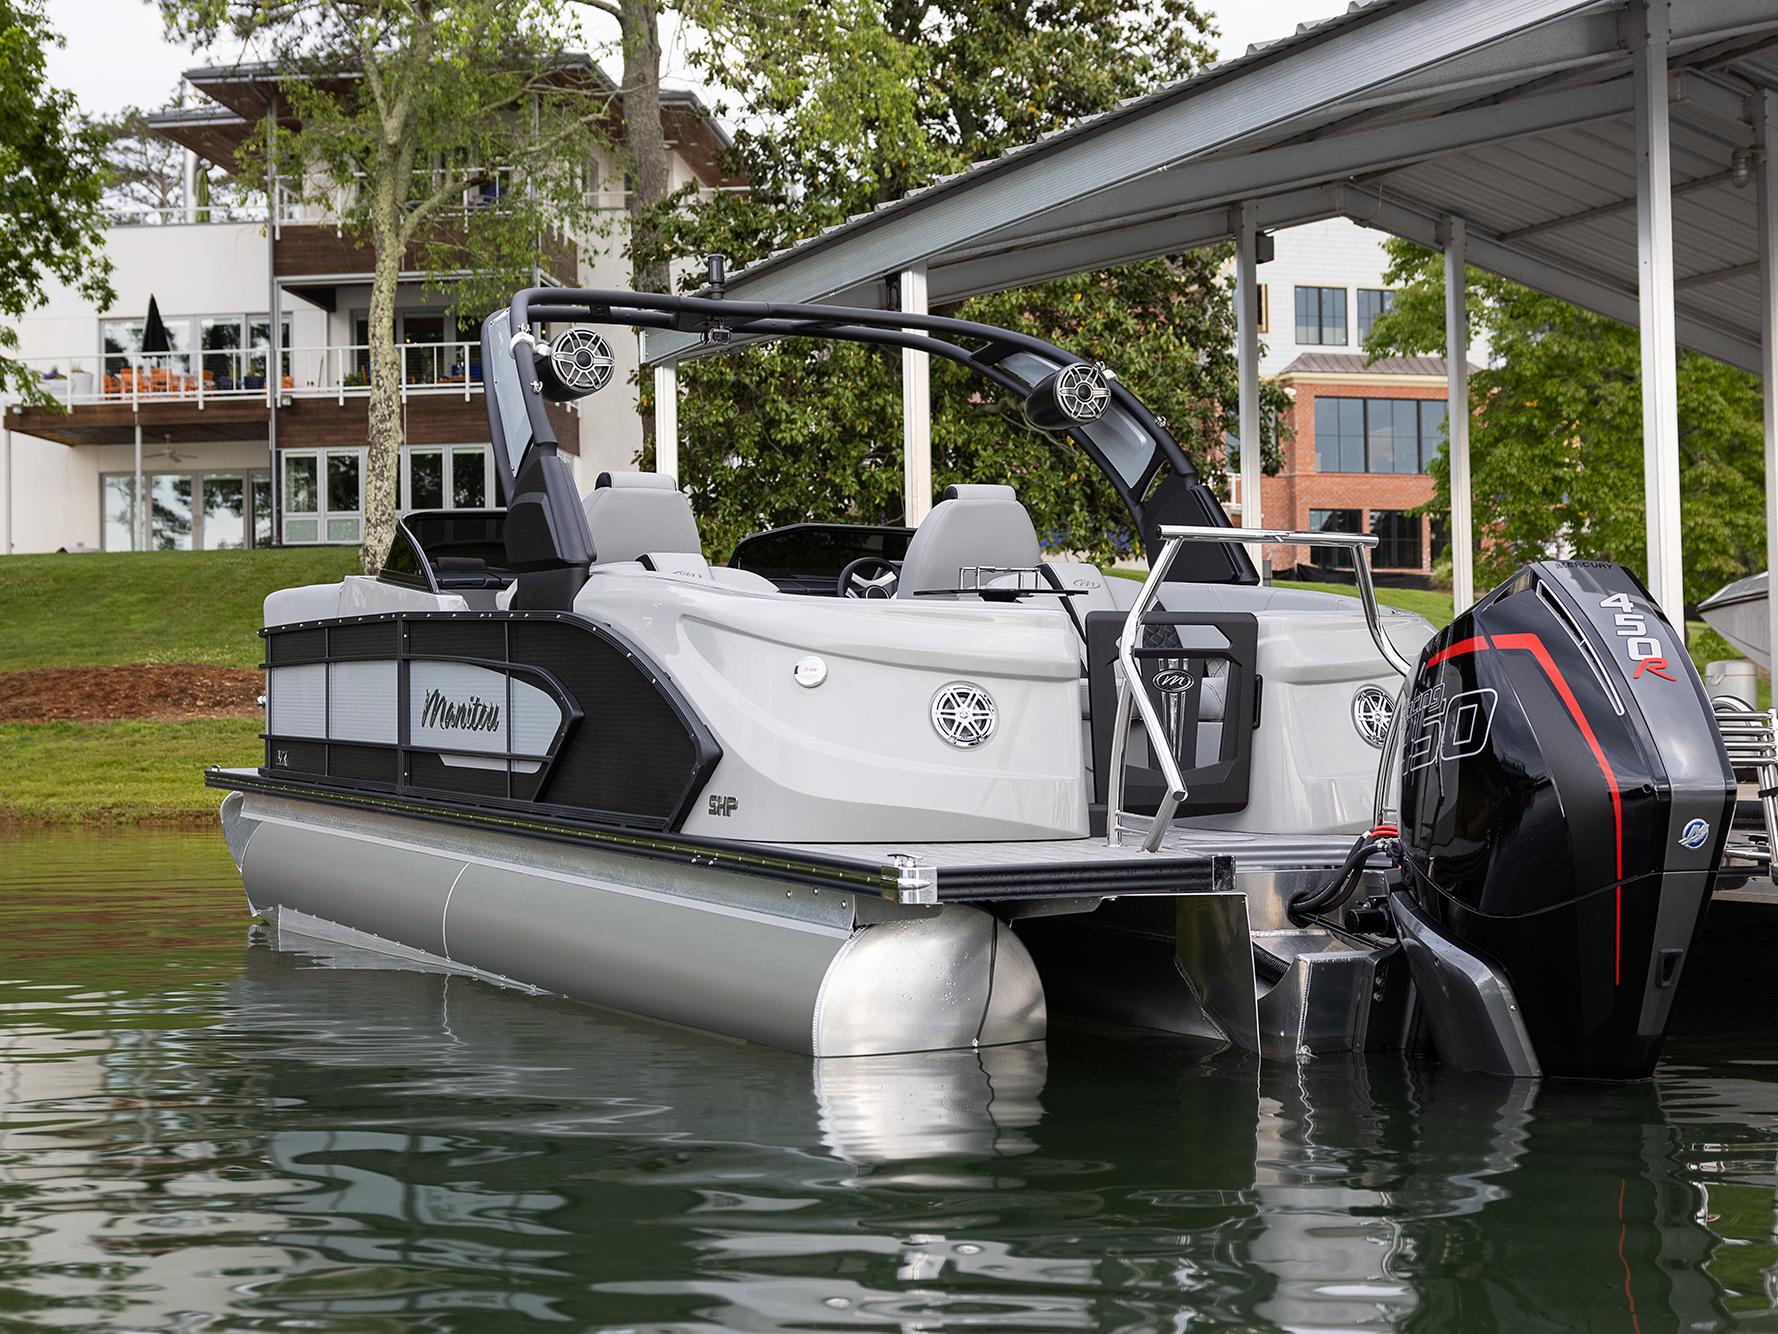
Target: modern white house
{"points": [[210, 427]]}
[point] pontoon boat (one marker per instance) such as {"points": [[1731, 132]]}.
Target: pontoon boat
{"points": [[864, 790]]}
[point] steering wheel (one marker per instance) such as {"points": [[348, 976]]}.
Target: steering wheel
{"points": [[869, 577]]}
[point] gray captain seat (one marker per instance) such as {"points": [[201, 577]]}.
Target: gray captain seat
{"points": [[634, 514], [972, 527], [641, 523]]}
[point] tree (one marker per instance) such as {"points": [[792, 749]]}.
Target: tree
{"points": [[145, 171], [1556, 431], [644, 138], [851, 103], [52, 228], [453, 133]]}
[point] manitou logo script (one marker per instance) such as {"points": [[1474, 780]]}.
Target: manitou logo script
{"points": [[471, 715]]}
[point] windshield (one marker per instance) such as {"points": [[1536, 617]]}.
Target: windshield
{"points": [[508, 421]]}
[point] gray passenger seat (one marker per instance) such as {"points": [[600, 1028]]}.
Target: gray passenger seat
{"points": [[972, 527]]}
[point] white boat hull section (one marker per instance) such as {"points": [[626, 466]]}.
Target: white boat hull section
{"points": [[824, 973], [1738, 613]]}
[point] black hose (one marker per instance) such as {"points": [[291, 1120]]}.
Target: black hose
{"points": [[1307, 902]]}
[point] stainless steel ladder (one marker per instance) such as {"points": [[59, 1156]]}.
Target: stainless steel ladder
{"points": [[1751, 739], [1131, 698]]}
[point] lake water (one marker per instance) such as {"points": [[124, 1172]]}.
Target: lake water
{"points": [[198, 1132]]}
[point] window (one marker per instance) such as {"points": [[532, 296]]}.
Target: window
{"points": [[1332, 521], [323, 495], [188, 511], [1398, 540], [439, 477], [1321, 315], [1395, 435], [1265, 308], [1372, 302]]}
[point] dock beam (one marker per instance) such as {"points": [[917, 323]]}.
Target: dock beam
{"points": [[666, 419], [1654, 294], [916, 409], [1457, 412]]}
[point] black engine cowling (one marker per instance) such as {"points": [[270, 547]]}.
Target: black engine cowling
{"points": [[1564, 800]]}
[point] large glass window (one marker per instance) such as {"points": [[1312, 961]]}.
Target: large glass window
{"points": [[225, 513], [323, 495], [1339, 434], [1321, 315], [1372, 302], [259, 333], [439, 477], [1393, 435], [1398, 540], [222, 363], [170, 512], [1333, 521], [188, 511]]}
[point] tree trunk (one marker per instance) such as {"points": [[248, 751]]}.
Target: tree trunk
{"points": [[382, 472], [645, 141]]}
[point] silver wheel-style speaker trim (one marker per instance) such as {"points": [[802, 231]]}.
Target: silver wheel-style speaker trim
{"points": [[582, 360], [1372, 709], [963, 715], [1081, 392]]}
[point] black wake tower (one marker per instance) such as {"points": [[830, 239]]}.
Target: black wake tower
{"points": [[548, 542]]}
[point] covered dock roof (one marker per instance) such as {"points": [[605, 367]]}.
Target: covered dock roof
{"points": [[1609, 152]]}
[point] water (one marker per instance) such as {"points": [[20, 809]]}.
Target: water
{"points": [[200, 1132]]}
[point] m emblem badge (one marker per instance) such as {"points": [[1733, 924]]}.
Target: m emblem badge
{"points": [[1695, 834], [1173, 681]]}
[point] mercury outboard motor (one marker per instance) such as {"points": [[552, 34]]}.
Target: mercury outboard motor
{"points": [[1564, 800]]}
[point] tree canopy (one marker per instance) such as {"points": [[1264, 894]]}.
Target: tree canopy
{"points": [[849, 103], [1556, 431], [451, 132], [52, 228]]}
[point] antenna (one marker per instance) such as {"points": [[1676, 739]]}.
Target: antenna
{"points": [[716, 269]]}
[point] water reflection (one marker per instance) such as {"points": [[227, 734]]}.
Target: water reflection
{"points": [[200, 1131]]}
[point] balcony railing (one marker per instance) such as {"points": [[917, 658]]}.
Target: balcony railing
{"points": [[173, 215], [337, 371]]}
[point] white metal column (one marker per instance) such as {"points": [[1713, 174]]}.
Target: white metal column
{"points": [[1247, 374], [1766, 127], [1457, 411], [6, 434], [139, 507], [666, 419], [916, 409], [1654, 290]]}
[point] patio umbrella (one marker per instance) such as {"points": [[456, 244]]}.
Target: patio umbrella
{"points": [[154, 332]]}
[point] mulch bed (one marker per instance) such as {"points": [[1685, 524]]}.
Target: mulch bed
{"points": [[160, 691]]}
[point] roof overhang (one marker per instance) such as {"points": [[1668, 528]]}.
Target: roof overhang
{"points": [[1515, 115]]}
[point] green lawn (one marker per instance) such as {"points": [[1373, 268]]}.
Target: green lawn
{"points": [[118, 773], [164, 606], [102, 609]]}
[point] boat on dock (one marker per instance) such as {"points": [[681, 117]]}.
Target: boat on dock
{"points": [[866, 791]]}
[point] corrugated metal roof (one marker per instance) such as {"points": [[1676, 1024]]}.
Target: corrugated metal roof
{"points": [[1512, 114]]}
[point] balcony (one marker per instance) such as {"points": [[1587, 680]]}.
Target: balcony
{"points": [[221, 395]]}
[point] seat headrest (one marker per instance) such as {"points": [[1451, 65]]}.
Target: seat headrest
{"points": [[980, 491], [653, 481]]}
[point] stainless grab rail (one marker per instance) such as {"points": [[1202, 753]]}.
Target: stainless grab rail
{"points": [[1750, 737], [1128, 691]]}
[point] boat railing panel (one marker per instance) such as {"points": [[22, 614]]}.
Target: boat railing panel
{"points": [[1132, 699]]}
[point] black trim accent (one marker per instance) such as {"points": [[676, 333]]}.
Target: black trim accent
{"points": [[569, 774], [1140, 874]]}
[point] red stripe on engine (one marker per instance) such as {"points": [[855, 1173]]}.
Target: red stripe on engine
{"points": [[1533, 645]]}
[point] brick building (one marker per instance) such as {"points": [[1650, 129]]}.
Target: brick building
{"points": [[1361, 438]]}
